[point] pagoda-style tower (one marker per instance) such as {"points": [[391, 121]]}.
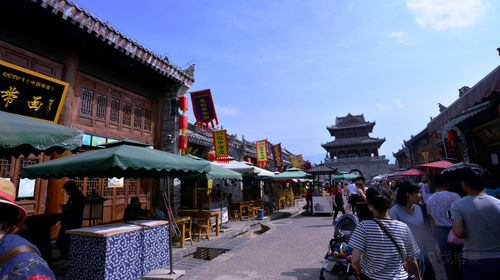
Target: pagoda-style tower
{"points": [[353, 150]]}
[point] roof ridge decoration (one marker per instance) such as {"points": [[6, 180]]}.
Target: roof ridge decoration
{"points": [[107, 33]]}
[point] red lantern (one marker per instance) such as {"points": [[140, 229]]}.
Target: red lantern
{"points": [[249, 160], [183, 103], [438, 152], [183, 122], [435, 136], [211, 155], [452, 136], [183, 142]]}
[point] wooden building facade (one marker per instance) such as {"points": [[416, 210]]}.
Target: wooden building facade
{"points": [[117, 89]]}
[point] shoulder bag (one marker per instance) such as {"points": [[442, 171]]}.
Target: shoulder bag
{"points": [[392, 239], [452, 238], [16, 250]]}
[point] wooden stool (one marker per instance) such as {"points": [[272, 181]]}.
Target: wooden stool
{"points": [[188, 235], [202, 228], [267, 209], [235, 214], [254, 211]]}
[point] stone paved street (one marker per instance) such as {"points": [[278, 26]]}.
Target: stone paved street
{"points": [[292, 249]]}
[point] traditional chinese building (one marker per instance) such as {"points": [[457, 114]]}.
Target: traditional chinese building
{"points": [[353, 150], [117, 89]]}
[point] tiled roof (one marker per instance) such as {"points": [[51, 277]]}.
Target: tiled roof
{"points": [[105, 32], [354, 141]]}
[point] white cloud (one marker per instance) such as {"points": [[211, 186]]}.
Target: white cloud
{"points": [[399, 36], [396, 103], [227, 110], [443, 14]]}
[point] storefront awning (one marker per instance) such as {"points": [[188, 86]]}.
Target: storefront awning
{"points": [[119, 161], [486, 86], [442, 164], [21, 135]]}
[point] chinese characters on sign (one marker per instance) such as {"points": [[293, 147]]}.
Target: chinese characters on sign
{"points": [[489, 132], [221, 145], [261, 147], [203, 108], [278, 158], [29, 93]]}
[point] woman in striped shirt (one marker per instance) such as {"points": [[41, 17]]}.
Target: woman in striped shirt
{"points": [[382, 248]]}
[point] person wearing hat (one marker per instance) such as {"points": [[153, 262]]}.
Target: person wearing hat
{"points": [[72, 216], [19, 259]]}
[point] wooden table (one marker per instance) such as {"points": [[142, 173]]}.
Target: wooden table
{"points": [[204, 213], [182, 221], [240, 205]]}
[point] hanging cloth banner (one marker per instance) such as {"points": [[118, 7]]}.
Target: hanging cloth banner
{"points": [[203, 108], [221, 146], [261, 147], [297, 160], [278, 158]]}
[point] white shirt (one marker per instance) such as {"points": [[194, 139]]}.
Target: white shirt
{"points": [[426, 191], [352, 189]]}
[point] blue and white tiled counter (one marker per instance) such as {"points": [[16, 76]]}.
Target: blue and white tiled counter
{"points": [[118, 251]]}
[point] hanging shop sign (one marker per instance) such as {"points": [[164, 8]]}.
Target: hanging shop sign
{"points": [[30, 94], [278, 157], [203, 108], [221, 145], [261, 147], [489, 132], [297, 160]]}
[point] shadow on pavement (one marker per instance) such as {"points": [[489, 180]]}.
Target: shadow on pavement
{"points": [[304, 273]]}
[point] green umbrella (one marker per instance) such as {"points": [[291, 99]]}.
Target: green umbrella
{"points": [[119, 161], [292, 173], [21, 135], [218, 172]]}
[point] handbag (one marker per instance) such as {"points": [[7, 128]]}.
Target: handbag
{"points": [[452, 238]]}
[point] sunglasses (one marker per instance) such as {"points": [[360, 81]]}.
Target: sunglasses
{"points": [[359, 184]]}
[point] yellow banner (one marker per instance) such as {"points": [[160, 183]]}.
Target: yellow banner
{"points": [[261, 150], [220, 143], [297, 160]]}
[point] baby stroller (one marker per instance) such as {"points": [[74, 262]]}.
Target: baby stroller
{"points": [[337, 260]]}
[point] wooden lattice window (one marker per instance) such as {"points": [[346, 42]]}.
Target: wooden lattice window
{"points": [[147, 119], [144, 185], [127, 113], [80, 184], [92, 186], [114, 115], [4, 168], [87, 102], [132, 187], [137, 116], [102, 106], [108, 191], [121, 191]]}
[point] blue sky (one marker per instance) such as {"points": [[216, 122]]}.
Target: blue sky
{"points": [[283, 70]]}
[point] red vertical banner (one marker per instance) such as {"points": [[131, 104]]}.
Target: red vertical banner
{"points": [[277, 155], [203, 108], [221, 145], [261, 147]]}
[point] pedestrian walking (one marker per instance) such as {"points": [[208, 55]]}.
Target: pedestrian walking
{"points": [[409, 212], [382, 246], [476, 219], [438, 207], [309, 199], [72, 216], [19, 259], [338, 200], [358, 200]]}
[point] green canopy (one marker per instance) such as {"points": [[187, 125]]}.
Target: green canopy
{"points": [[292, 173], [21, 135], [345, 176], [218, 172], [119, 161]]}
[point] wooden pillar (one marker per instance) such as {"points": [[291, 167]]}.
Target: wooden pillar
{"points": [[70, 70]]}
